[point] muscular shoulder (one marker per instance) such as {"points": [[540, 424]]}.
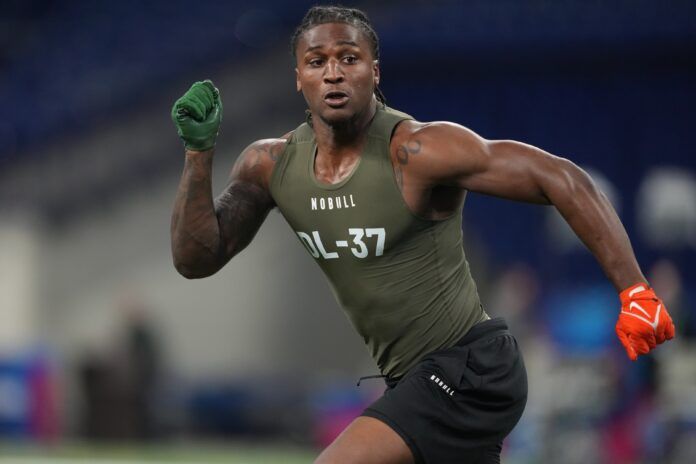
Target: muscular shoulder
{"points": [[255, 163], [434, 151], [433, 137]]}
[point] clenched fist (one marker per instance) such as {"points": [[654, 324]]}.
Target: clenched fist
{"points": [[197, 115], [643, 322]]}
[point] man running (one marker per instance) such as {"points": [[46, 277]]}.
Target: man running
{"points": [[376, 198]]}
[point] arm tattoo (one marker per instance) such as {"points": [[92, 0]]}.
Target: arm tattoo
{"points": [[250, 159], [240, 211], [195, 242], [399, 174], [410, 148], [207, 232], [275, 152]]}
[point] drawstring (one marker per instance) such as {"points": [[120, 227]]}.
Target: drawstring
{"points": [[369, 377]]}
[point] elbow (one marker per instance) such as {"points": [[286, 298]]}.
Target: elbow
{"points": [[191, 272], [575, 181], [194, 261], [570, 188]]}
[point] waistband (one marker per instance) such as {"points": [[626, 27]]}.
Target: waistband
{"points": [[490, 328], [483, 330]]}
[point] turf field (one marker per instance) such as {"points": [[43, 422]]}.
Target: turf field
{"points": [[181, 454]]}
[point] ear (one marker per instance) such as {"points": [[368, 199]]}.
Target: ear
{"points": [[297, 80], [375, 69]]}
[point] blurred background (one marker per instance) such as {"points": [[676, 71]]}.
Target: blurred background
{"points": [[107, 353]]}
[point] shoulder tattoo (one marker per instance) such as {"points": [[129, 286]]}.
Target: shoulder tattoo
{"points": [[410, 148], [403, 153], [254, 155]]}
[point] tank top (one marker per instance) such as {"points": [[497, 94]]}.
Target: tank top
{"points": [[402, 280]]}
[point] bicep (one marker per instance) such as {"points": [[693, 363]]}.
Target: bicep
{"points": [[246, 201], [512, 170], [457, 156]]}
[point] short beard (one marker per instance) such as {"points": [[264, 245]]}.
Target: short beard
{"points": [[342, 125], [347, 128]]}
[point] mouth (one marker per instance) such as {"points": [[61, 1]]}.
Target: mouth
{"points": [[336, 98]]}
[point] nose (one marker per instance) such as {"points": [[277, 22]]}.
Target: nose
{"points": [[332, 72]]}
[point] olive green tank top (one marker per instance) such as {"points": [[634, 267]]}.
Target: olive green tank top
{"points": [[403, 281]]}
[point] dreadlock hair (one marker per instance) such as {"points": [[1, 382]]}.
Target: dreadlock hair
{"points": [[338, 14]]}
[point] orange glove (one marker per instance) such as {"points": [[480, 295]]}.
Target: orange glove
{"points": [[644, 321]]}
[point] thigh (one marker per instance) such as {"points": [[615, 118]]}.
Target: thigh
{"points": [[367, 441], [458, 404]]}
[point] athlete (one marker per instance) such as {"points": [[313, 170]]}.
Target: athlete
{"points": [[376, 198]]}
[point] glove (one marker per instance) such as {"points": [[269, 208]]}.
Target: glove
{"points": [[197, 115], [643, 322]]}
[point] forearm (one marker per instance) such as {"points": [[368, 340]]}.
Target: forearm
{"points": [[195, 233], [592, 217]]}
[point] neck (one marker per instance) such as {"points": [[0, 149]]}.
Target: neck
{"points": [[337, 137]]}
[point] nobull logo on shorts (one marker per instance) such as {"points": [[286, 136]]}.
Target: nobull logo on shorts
{"points": [[442, 385]]}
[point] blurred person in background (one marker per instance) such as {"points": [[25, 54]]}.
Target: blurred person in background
{"points": [[143, 358], [515, 296], [119, 383], [376, 198]]}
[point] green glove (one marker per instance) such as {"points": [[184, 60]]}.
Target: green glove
{"points": [[197, 115]]}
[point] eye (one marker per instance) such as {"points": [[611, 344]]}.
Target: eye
{"points": [[316, 62], [350, 59]]}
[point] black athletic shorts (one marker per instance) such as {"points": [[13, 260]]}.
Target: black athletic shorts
{"points": [[456, 405]]}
